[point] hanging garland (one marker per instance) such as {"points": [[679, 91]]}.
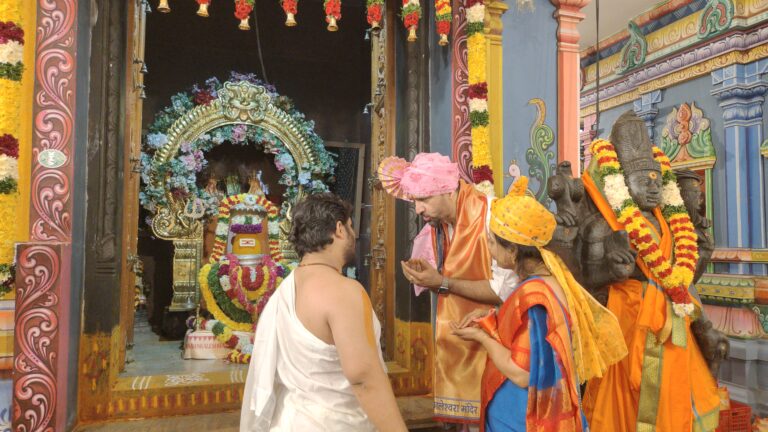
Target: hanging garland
{"points": [[252, 203], [443, 13], [243, 9], [202, 9], [11, 71], [374, 9], [332, 13], [675, 278], [478, 96], [411, 13], [291, 8], [181, 171]]}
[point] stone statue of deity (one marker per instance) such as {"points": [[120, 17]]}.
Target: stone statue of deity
{"points": [[622, 240]]}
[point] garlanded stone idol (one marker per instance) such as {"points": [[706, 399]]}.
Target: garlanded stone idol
{"points": [[638, 243]]}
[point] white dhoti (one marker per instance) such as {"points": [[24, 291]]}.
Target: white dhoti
{"points": [[295, 381]]}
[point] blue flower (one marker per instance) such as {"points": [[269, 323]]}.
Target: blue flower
{"points": [[304, 177], [157, 140]]}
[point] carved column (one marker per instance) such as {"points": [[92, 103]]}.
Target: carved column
{"points": [[647, 108], [568, 15], [741, 92], [494, 73], [42, 341]]}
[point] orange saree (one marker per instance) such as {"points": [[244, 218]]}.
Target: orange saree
{"points": [[459, 364], [664, 383], [534, 326]]}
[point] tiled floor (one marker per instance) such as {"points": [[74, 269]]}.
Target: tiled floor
{"points": [[152, 356]]}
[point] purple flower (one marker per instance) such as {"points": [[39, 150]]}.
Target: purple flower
{"points": [[246, 229], [239, 133]]}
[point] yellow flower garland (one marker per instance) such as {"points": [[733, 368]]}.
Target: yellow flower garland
{"points": [[213, 307]]}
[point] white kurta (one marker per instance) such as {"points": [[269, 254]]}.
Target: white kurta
{"points": [[295, 381]]}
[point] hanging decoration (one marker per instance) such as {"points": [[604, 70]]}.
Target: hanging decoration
{"points": [[202, 9], [374, 13], [332, 14], [478, 97], [11, 70], [290, 7], [163, 6], [243, 9], [411, 13], [443, 20]]}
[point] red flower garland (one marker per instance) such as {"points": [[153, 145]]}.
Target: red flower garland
{"points": [[332, 13], [9, 146], [9, 31], [373, 13]]}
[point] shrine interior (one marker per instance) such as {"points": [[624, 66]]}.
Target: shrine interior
{"points": [[328, 77]]}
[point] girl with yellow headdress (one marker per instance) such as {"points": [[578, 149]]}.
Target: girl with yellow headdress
{"points": [[549, 335]]}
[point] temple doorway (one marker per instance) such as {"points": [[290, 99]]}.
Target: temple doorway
{"points": [[224, 129]]}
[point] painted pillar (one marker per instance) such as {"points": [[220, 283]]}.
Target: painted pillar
{"points": [[42, 340], [568, 15], [741, 92], [494, 74], [647, 108]]}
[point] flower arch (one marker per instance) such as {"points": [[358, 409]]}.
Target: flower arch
{"points": [[243, 111]]}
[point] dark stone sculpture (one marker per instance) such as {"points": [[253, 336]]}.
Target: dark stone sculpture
{"points": [[599, 256]]}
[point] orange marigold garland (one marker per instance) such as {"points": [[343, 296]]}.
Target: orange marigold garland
{"points": [[332, 14], [411, 13], [243, 9], [291, 8], [443, 20], [674, 278], [374, 9]]}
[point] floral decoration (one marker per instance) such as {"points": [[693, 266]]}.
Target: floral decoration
{"points": [[374, 10], [181, 171], [675, 278], [411, 13], [11, 70], [482, 172], [443, 20]]}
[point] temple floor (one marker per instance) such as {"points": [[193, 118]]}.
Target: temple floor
{"points": [[229, 422], [152, 356]]}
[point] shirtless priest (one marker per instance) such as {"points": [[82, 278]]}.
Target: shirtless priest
{"points": [[319, 364]]}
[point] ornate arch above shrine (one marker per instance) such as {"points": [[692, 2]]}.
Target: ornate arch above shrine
{"points": [[236, 103]]}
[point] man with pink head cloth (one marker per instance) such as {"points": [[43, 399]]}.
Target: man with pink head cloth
{"points": [[450, 258]]}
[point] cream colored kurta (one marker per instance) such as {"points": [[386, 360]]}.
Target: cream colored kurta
{"points": [[295, 381]]}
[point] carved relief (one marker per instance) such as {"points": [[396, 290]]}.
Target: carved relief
{"points": [[54, 110], [36, 338], [460, 124]]}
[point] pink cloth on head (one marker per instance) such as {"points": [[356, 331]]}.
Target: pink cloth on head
{"points": [[430, 174]]}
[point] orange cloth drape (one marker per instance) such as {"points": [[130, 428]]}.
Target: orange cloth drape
{"points": [[459, 364], [659, 386]]}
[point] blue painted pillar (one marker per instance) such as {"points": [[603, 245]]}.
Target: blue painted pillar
{"points": [[741, 92], [647, 108]]}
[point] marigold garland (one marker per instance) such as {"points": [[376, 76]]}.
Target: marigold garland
{"points": [[332, 13], [291, 8], [443, 18], [243, 9], [374, 10], [482, 173], [411, 13], [674, 278], [11, 71]]}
